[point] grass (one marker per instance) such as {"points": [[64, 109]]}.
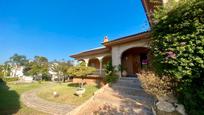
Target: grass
{"points": [[67, 93], [10, 99]]}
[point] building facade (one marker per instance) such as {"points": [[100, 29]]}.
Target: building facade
{"points": [[132, 52]]}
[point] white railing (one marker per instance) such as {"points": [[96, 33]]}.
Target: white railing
{"points": [[99, 72]]}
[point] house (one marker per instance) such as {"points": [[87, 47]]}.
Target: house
{"points": [[129, 51], [17, 71], [132, 52]]}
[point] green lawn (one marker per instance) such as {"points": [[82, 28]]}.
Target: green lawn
{"points": [[66, 93], [10, 99]]}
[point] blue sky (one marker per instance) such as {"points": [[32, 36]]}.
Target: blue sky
{"points": [[59, 28]]}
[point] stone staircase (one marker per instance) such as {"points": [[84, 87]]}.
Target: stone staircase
{"points": [[127, 93]]}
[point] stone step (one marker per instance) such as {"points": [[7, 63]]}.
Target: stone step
{"points": [[127, 84], [140, 96], [121, 87], [128, 78], [128, 90]]}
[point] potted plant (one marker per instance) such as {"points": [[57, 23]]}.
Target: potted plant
{"points": [[80, 91], [122, 70]]}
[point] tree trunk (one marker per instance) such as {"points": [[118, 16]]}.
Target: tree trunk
{"points": [[63, 79], [82, 82]]}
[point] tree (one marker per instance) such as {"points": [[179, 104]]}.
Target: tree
{"points": [[110, 72], [6, 69], [38, 68], [1, 71], [17, 60], [178, 48], [80, 71], [60, 68]]}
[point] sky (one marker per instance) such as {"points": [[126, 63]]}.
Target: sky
{"points": [[57, 29]]}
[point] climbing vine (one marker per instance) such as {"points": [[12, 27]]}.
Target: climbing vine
{"points": [[178, 48]]}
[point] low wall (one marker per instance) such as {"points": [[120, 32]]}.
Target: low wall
{"points": [[91, 79]]}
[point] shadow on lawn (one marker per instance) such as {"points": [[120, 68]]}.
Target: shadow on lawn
{"points": [[73, 84], [9, 100]]}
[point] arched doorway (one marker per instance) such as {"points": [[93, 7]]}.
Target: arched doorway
{"points": [[134, 59], [106, 60], [94, 63]]}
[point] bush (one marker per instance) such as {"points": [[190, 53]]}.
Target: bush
{"points": [[157, 86], [46, 77], [80, 71], [178, 48], [10, 79], [110, 73]]}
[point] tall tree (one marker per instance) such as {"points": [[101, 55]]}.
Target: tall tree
{"points": [[60, 68], [6, 68], [37, 68]]}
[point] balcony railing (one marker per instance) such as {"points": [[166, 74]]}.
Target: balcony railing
{"points": [[97, 72]]}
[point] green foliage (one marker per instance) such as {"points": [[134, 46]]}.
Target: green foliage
{"points": [[110, 73], [1, 71], [192, 96], [9, 79], [177, 45], [61, 69], [121, 68], [37, 68], [19, 60], [80, 70]]}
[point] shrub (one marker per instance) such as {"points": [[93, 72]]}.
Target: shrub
{"points": [[110, 73], [155, 85], [6, 79], [46, 77], [80, 71], [178, 48]]}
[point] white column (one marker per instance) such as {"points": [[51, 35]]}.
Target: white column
{"points": [[100, 61], [116, 58], [86, 61]]}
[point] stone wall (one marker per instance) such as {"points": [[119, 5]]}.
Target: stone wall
{"points": [[92, 80]]}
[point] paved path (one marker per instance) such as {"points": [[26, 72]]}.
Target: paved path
{"points": [[31, 100], [126, 97]]}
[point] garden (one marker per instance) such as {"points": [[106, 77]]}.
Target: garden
{"points": [[66, 93], [59, 91], [10, 98]]}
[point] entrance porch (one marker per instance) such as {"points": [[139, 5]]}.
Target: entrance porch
{"points": [[134, 60]]}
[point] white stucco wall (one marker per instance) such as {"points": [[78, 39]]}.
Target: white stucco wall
{"points": [[119, 49], [17, 72]]}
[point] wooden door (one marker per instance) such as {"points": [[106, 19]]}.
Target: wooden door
{"points": [[131, 62], [136, 64]]}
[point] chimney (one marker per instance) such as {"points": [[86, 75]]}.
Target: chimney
{"points": [[105, 39]]}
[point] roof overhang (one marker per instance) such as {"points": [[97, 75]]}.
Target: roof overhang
{"points": [[150, 6], [102, 50], [139, 36]]}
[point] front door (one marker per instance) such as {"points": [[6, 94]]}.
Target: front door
{"points": [[131, 63]]}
